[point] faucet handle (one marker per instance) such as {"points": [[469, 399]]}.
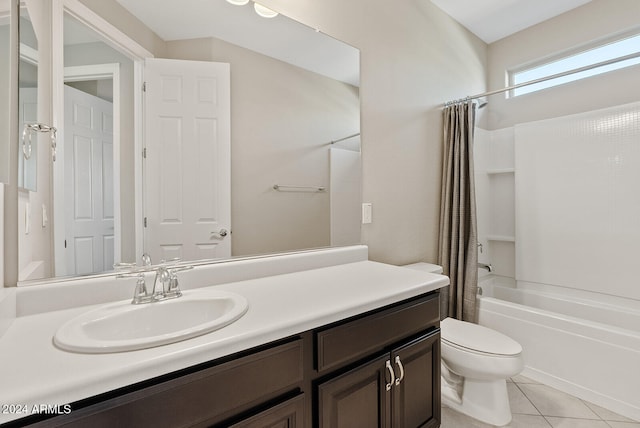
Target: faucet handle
{"points": [[140, 294], [173, 289]]}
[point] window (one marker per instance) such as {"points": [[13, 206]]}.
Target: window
{"points": [[610, 51]]}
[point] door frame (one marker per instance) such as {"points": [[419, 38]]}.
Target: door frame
{"points": [[137, 53]]}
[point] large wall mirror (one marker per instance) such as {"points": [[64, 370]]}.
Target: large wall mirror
{"points": [[244, 139]]}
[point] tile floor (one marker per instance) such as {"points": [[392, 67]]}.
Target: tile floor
{"points": [[534, 405]]}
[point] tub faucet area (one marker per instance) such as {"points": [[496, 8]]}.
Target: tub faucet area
{"points": [[485, 266]]}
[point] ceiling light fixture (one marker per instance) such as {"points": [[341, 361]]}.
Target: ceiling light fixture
{"points": [[263, 11]]}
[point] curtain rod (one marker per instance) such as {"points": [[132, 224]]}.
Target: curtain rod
{"points": [[544, 79]]}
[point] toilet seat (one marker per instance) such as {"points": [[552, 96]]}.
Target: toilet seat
{"points": [[477, 339]]}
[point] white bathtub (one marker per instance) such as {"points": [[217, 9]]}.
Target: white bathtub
{"points": [[585, 345]]}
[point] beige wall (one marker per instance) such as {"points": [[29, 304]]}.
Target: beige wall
{"points": [[414, 57], [594, 21]]}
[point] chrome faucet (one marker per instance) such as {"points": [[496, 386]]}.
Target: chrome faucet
{"points": [[168, 279], [485, 266], [165, 283]]}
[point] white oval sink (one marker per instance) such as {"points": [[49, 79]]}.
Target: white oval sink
{"points": [[122, 326]]}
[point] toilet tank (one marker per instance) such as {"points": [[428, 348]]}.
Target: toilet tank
{"points": [[425, 267]]}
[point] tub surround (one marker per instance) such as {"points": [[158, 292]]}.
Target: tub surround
{"points": [[575, 344], [287, 295]]}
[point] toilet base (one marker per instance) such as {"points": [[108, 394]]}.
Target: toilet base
{"points": [[484, 400]]}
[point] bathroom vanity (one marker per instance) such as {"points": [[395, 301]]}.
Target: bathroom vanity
{"points": [[325, 347]]}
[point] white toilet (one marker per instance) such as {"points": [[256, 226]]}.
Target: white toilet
{"points": [[476, 361]]}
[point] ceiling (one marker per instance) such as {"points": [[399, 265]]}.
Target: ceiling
{"points": [[490, 20], [493, 20]]}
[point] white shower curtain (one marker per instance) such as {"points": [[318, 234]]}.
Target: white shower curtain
{"points": [[458, 252]]}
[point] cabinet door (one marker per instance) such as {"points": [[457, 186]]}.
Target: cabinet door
{"points": [[416, 393], [356, 399], [289, 414]]}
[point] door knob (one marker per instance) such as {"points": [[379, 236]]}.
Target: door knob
{"points": [[220, 234]]}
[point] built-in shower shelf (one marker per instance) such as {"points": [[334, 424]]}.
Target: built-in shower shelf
{"points": [[501, 238], [501, 171]]}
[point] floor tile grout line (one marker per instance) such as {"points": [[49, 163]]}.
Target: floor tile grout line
{"points": [[599, 418], [597, 414], [547, 420], [529, 400], [585, 402], [589, 404], [561, 418]]}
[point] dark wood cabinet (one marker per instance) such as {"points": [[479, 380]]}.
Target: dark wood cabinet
{"points": [[206, 397], [416, 398], [398, 389], [289, 414], [356, 399], [347, 341], [377, 369]]}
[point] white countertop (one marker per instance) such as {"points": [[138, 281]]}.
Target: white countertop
{"points": [[33, 371]]}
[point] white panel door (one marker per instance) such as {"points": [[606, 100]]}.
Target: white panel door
{"points": [[187, 164], [88, 181]]}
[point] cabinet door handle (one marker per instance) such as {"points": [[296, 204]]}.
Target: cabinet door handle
{"points": [[399, 363], [391, 373]]}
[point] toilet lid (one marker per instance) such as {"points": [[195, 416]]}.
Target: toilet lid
{"points": [[477, 338]]}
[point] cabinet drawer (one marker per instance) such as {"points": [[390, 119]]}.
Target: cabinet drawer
{"points": [[364, 336], [201, 398]]}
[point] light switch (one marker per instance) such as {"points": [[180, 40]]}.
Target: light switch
{"points": [[367, 213], [45, 218]]}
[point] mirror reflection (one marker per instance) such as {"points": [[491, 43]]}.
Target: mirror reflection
{"points": [[28, 103], [5, 56], [88, 205], [33, 160], [253, 172]]}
